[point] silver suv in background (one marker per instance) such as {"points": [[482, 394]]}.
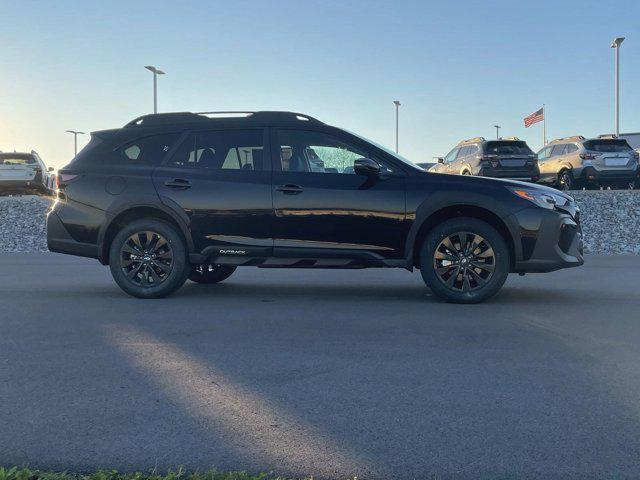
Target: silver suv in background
{"points": [[503, 158], [24, 173], [576, 162]]}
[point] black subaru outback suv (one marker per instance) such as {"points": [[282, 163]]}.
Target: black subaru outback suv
{"points": [[182, 195]]}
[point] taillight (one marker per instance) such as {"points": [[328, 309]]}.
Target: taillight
{"points": [[588, 156], [63, 179]]}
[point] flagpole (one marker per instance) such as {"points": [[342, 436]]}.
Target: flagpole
{"points": [[544, 125]]}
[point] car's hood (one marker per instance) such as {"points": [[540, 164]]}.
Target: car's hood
{"points": [[496, 182]]}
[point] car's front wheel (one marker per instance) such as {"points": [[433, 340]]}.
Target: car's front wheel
{"points": [[148, 259], [208, 273], [464, 260], [566, 180]]}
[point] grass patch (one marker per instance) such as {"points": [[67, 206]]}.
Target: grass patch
{"points": [[25, 473]]}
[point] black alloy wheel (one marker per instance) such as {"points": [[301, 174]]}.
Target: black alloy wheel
{"points": [[464, 261], [146, 258]]}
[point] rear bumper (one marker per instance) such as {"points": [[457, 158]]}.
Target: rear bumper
{"points": [[546, 240], [591, 174], [60, 241], [19, 184], [521, 174]]}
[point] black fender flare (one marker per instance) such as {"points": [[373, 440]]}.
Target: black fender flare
{"points": [[442, 200], [166, 206]]}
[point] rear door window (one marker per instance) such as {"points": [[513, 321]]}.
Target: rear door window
{"points": [[222, 150], [571, 148], [558, 150], [148, 150]]}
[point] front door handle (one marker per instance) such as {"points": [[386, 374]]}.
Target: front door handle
{"points": [[180, 183], [290, 189]]}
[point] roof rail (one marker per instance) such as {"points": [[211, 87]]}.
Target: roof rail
{"points": [[510, 138], [190, 117], [608, 135], [472, 140], [575, 138]]}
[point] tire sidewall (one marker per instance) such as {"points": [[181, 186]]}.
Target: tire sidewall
{"points": [[179, 271], [472, 225]]}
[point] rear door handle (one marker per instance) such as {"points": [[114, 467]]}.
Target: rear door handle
{"points": [[290, 189], [178, 183]]}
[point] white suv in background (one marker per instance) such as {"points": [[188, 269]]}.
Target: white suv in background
{"points": [[24, 173]]}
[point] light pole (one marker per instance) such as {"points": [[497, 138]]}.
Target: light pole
{"points": [[75, 140], [156, 72], [498, 127], [397, 104], [616, 46]]}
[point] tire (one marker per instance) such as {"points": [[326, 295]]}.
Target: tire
{"points": [[565, 180], [474, 284], [148, 259], [208, 273]]}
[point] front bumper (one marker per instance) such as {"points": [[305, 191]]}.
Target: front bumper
{"points": [[546, 240]]}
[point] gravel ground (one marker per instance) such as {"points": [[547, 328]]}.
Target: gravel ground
{"points": [[610, 221], [22, 223]]}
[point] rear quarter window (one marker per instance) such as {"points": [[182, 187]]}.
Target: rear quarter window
{"points": [[147, 150]]}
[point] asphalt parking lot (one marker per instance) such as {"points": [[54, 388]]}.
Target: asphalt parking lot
{"points": [[330, 373]]}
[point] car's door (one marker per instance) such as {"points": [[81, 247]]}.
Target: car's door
{"points": [[221, 179], [321, 204], [544, 163], [557, 157], [449, 161], [458, 165]]}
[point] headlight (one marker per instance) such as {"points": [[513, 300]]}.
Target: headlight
{"points": [[542, 199]]}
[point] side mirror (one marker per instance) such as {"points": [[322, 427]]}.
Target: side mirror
{"points": [[366, 166], [50, 169], [440, 159]]}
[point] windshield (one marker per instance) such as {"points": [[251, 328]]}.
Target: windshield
{"points": [[507, 148], [404, 160], [607, 146], [12, 159]]}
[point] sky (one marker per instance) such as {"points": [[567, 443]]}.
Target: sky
{"points": [[457, 67]]}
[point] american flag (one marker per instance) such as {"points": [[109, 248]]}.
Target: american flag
{"points": [[535, 117]]}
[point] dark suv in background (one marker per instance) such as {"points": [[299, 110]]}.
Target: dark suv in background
{"points": [[576, 162], [183, 195], [505, 158]]}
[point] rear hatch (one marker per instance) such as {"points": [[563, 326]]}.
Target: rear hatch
{"points": [[16, 167], [612, 153], [510, 154]]}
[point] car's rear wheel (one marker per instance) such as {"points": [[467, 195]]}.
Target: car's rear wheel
{"points": [[464, 260], [209, 273], [148, 259]]}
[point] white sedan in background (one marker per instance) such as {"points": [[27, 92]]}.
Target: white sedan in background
{"points": [[24, 173]]}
